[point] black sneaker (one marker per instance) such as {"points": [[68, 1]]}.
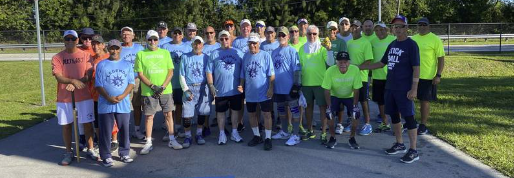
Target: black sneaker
{"points": [[255, 141], [353, 144], [240, 127], [422, 129], [214, 122], [331, 143], [267, 144], [410, 157], [397, 148], [114, 146]]}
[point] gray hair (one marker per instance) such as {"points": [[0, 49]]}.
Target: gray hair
{"points": [[311, 28]]}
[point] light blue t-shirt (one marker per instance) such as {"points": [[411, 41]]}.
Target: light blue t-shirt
{"points": [[207, 48], [192, 67], [114, 77], [186, 41], [269, 47], [163, 41], [176, 51], [128, 53], [285, 61], [225, 67], [241, 43], [255, 70]]}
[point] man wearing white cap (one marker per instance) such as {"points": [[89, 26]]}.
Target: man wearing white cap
{"points": [[162, 29], [241, 42], [155, 68], [191, 33], [197, 99], [261, 27], [114, 82], [210, 42], [222, 71], [367, 29], [303, 24], [271, 43], [257, 78], [72, 69], [344, 29]]}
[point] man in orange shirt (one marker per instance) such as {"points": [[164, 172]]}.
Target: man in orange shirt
{"points": [[86, 40], [72, 70]]}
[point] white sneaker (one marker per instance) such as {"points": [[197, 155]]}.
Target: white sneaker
{"points": [[166, 137], [181, 133], [138, 135], [91, 153], [175, 145], [235, 137], [222, 139], [339, 129], [280, 135], [146, 149], [293, 140]]}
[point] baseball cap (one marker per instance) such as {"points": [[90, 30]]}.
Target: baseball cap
{"points": [[245, 21], [254, 37], [424, 20], [191, 26], [270, 29], [114, 43], [228, 22], [223, 32], [342, 56], [97, 38], [343, 18], [356, 23], [87, 31], [197, 38], [152, 33], [177, 29], [162, 24], [70, 32], [400, 17], [331, 24], [260, 23], [294, 27], [127, 28], [381, 24], [283, 30], [302, 20]]}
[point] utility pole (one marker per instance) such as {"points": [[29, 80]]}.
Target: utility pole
{"points": [[398, 12], [42, 81]]}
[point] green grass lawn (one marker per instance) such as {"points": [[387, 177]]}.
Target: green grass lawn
{"points": [[478, 42]]}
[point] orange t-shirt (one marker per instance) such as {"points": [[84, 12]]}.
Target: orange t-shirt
{"points": [[74, 66], [96, 60], [90, 50]]}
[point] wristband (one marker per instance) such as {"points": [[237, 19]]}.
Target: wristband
{"points": [[438, 75]]}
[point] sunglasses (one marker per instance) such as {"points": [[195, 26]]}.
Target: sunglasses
{"points": [[223, 39], [229, 26], [312, 34], [153, 39], [399, 26], [86, 38], [259, 26], [252, 43], [293, 31], [281, 35], [70, 39], [422, 24], [114, 48], [210, 33], [177, 33]]}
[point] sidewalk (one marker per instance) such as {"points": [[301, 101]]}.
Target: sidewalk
{"points": [[36, 152]]}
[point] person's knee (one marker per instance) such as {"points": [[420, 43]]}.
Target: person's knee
{"points": [[201, 119], [410, 122], [187, 122], [281, 108], [395, 118]]}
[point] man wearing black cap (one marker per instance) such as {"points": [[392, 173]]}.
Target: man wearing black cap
{"points": [[86, 37], [162, 29], [431, 67], [342, 83]]}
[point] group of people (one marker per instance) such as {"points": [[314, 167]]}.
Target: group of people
{"points": [[289, 69]]}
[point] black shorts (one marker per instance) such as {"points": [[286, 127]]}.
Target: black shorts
{"points": [[177, 96], [363, 92], [266, 106], [378, 90], [427, 91], [233, 102]]}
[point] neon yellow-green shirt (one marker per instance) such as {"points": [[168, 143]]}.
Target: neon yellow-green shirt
{"points": [[296, 46], [155, 66], [338, 45], [313, 66], [360, 51], [369, 38], [379, 48], [430, 48], [342, 85], [302, 40]]}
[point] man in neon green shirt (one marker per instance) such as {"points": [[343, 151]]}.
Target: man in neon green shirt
{"points": [[367, 28], [303, 24], [431, 67], [155, 69], [379, 75], [361, 53], [342, 83], [295, 35]]}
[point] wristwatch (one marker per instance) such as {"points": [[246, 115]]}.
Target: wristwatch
{"points": [[438, 75]]}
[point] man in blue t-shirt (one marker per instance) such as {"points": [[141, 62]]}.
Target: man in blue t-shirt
{"points": [[257, 78], [223, 70], [271, 43], [191, 33], [129, 49], [402, 60], [162, 29], [114, 82], [210, 41], [177, 48], [241, 42]]}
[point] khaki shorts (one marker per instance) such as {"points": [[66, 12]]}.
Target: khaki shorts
{"points": [[151, 105], [135, 97]]}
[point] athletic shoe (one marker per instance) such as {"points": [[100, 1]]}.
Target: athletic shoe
{"points": [[255, 141], [199, 140], [310, 134], [290, 128], [138, 135], [366, 129], [353, 144], [383, 127], [240, 127], [166, 137], [146, 149], [339, 129], [187, 142], [222, 140], [293, 140], [422, 129], [214, 122], [175, 145], [267, 144], [323, 138], [331, 143], [108, 162], [410, 157], [302, 130], [281, 135], [126, 159], [67, 158], [379, 119], [114, 146], [235, 137], [181, 133], [348, 128], [206, 132], [397, 148], [93, 155]]}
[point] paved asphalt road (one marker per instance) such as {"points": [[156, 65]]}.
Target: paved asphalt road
{"points": [[36, 151]]}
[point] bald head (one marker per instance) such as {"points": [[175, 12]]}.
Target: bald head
{"points": [[367, 27]]}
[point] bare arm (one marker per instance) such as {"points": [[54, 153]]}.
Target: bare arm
{"points": [[209, 78], [127, 91], [75, 83], [270, 87], [327, 97], [168, 78], [370, 66], [144, 79], [415, 80], [356, 96], [104, 94], [440, 67], [241, 84]]}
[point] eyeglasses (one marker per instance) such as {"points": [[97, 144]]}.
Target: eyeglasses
{"points": [[312, 34], [86, 38], [259, 26], [252, 43], [70, 39], [293, 31], [281, 35], [210, 33], [422, 24], [177, 33], [229, 26], [114, 48], [223, 39], [153, 39], [399, 26]]}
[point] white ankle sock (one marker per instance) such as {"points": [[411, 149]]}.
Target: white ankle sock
{"points": [[256, 131], [268, 133]]}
